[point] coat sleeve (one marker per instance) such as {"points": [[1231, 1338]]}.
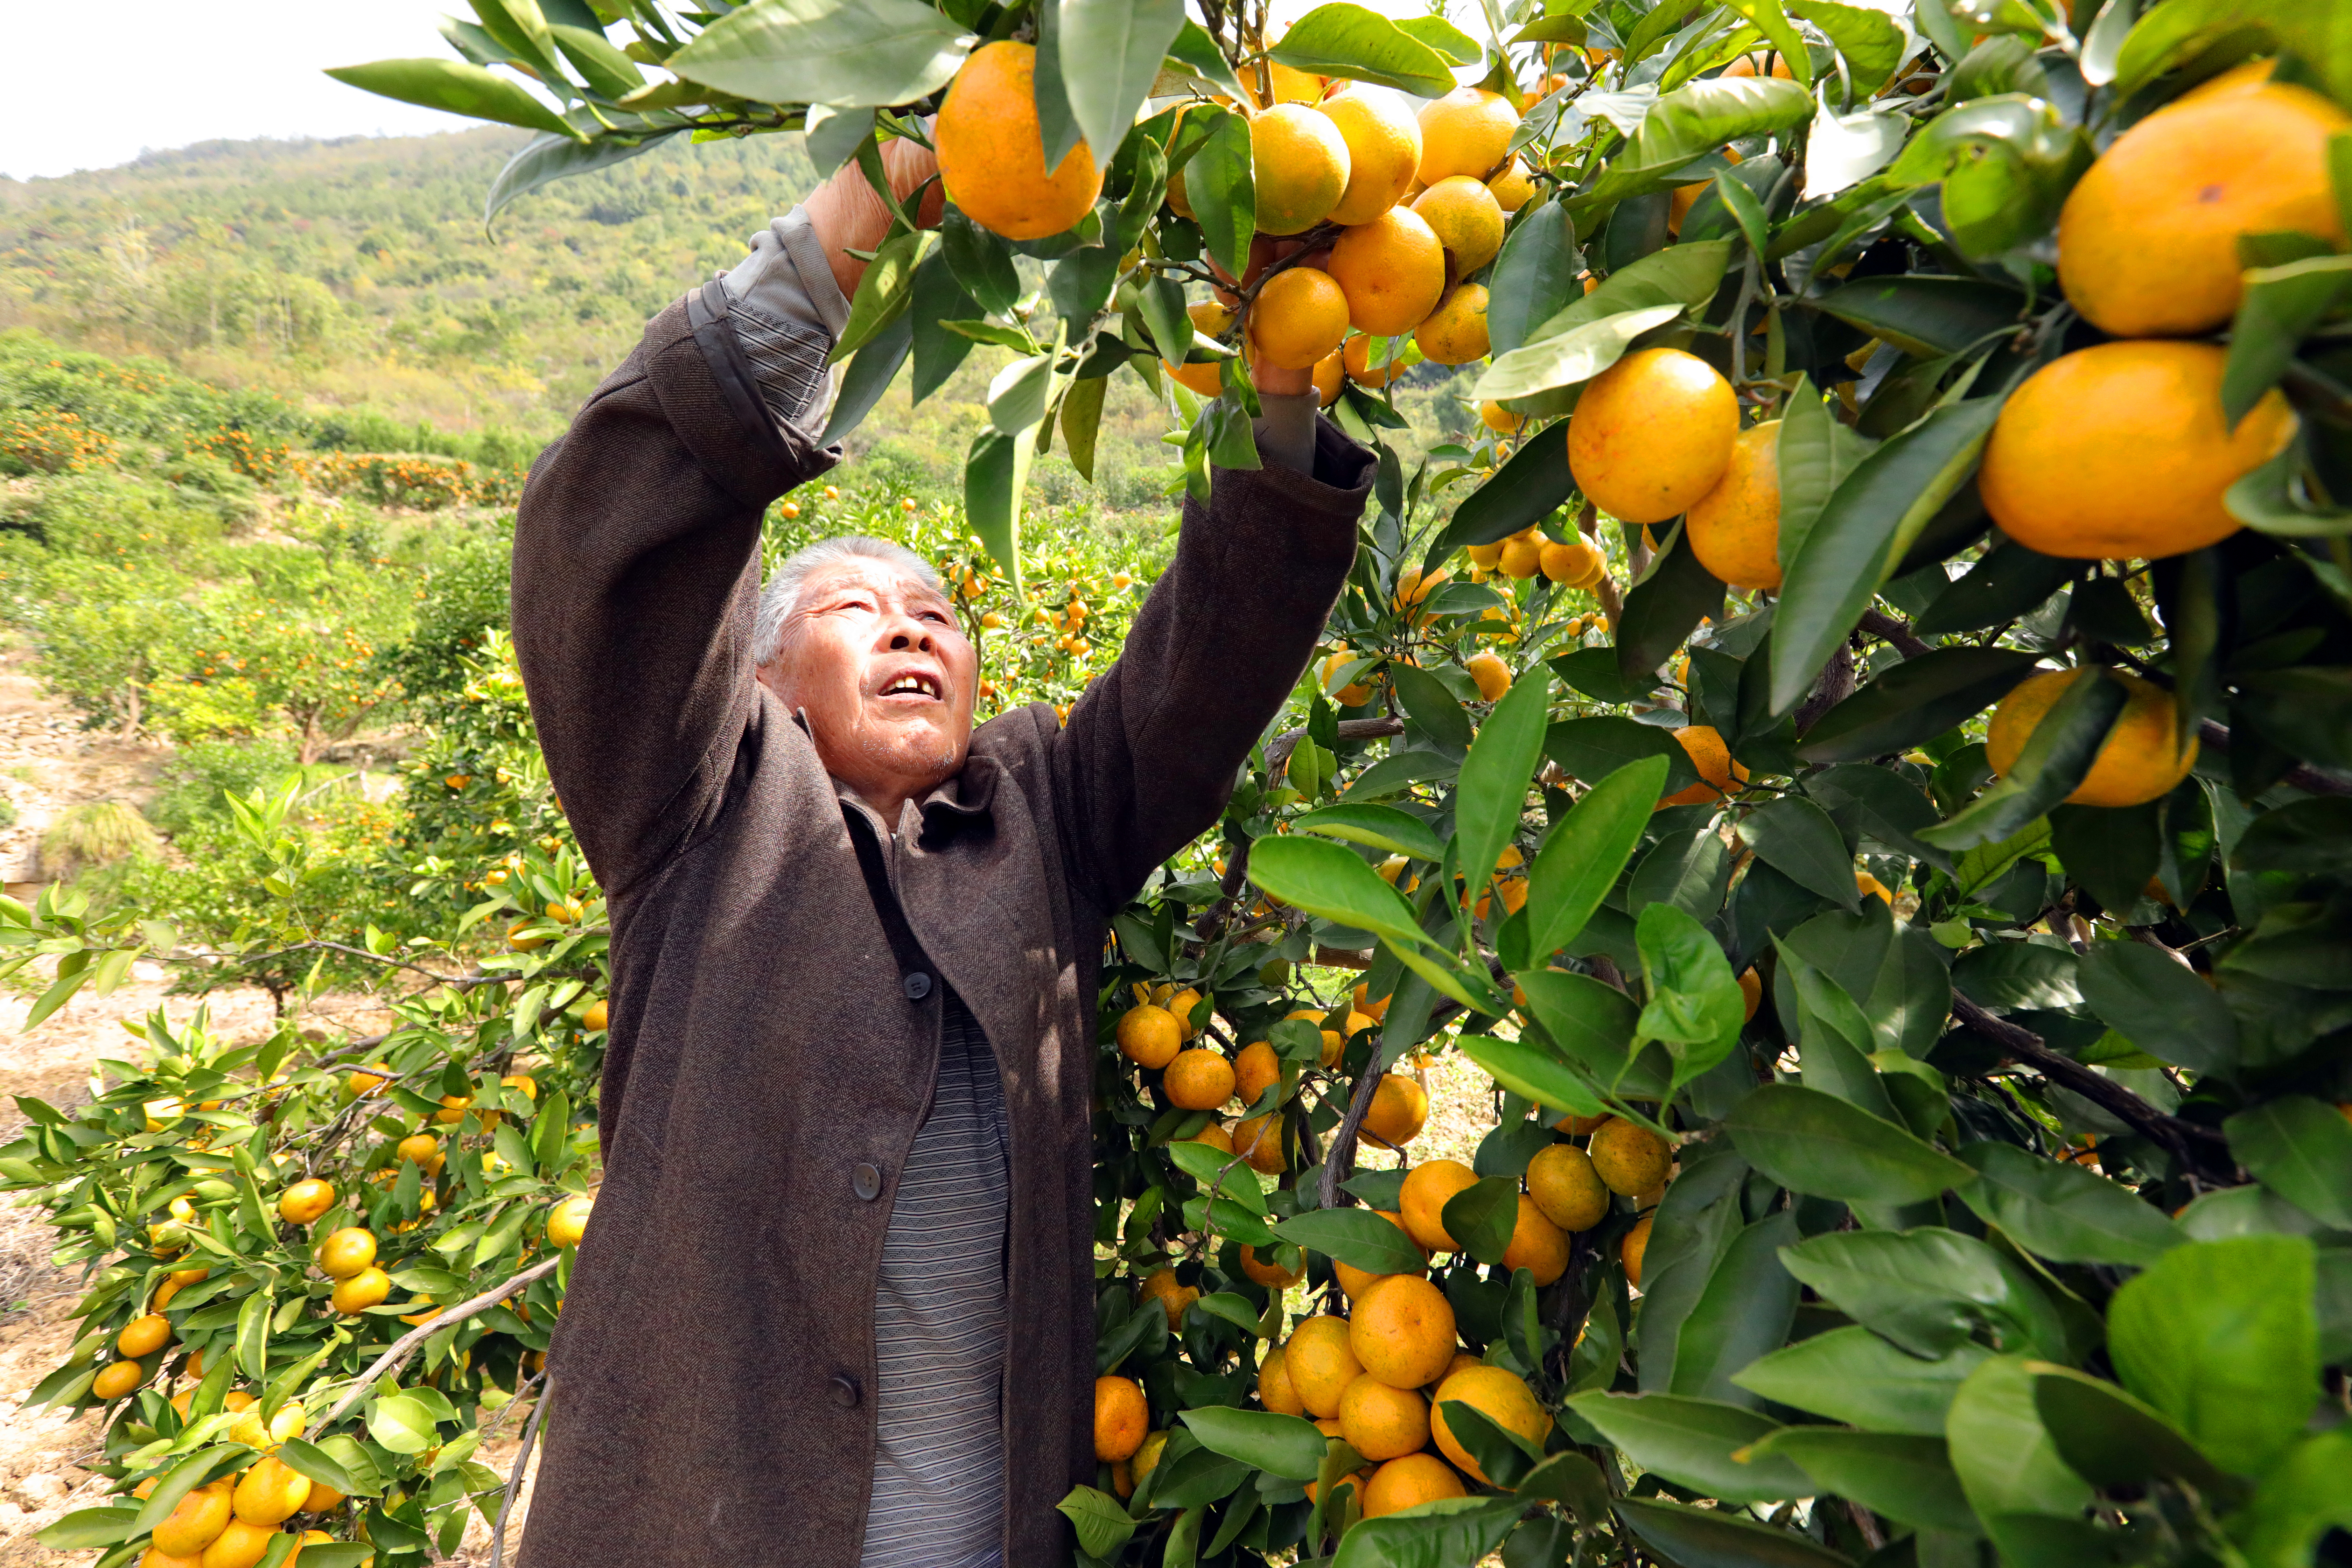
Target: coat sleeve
{"points": [[1150, 753], [637, 576]]}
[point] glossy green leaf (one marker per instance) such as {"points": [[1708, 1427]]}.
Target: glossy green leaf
{"points": [[88, 1528], [1101, 1521], [1379, 827], [1853, 1375], [1586, 851], [2111, 1439], [1705, 1538], [1567, 358], [1797, 838], [982, 261], [1907, 1478], [2299, 1500], [1695, 1007], [845, 53], [1082, 407], [996, 472], [1816, 1143], [1435, 1534], [1692, 1442], [2301, 1148], [1693, 120], [1430, 707], [1929, 1290], [1526, 489], [1481, 1218], [1745, 1312], [1263, 1439], [1593, 749], [1769, 19], [1534, 278], [2062, 1212], [2006, 1460], [2008, 582], [1111, 52], [2005, 162], [1662, 609], [1685, 275], [1352, 41], [1492, 790], [1873, 44], [2220, 1337], [458, 87], [1355, 1237], [1914, 700], [1219, 182], [1863, 530], [2055, 760], [2278, 310], [1814, 454], [1324, 878], [1526, 1068], [873, 367], [554, 154], [2160, 1004], [884, 292]]}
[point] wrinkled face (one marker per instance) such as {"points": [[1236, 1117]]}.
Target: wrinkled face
{"points": [[887, 678]]}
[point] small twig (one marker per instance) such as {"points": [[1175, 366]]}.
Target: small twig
{"points": [[1887, 628], [514, 1482], [2173, 1134], [511, 1405], [2302, 776], [403, 1346], [1866, 1522]]}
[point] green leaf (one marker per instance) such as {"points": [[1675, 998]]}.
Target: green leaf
{"points": [[1435, 1534], [2222, 1337], [2056, 759], [1744, 1312], [458, 87], [873, 368], [253, 1335], [982, 263], [1379, 827], [1082, 408], [2006, 163], [1535, 275], [2007, 1462], [1815, 453], [2160, 1004], [1326, 879], [1492, 790], [1797, 838], [1914, 700], [2009, 580], [1692, 121], [1853, 1375], [1457, 46], [1661, 610], [1705, 1537], [1111, 52], [1351, 41], [2111, 1439], [1102, 1521], [88, 1528], [846, 54], [1591, 1022], [1586, 851], [315, 1462], [883, 293], [2058, 1210], [1815, 1142], [1431, 707], [1504, 1456], [1693, 1442], [1218, 1172], [2280, 308], [402, 1422], [1787, 43], [1526, 1068], [1219, 182], [2299, 1500], [1928, 1289], [1863, 530], [1567, 358], [2172, 33], [1279, 1445], [1017, 393], [996, 472], [1481, 1218], [554, 154], [2301, 1148], [1355, 1236], [1696, 1008], [1685, 275], [1526, 489], [1872, 44], [1909, 1479]]}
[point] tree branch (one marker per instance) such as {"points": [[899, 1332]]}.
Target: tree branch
{"points": [[2180, 1138], [514, 1482], [1887, 628], [403, 1346], [2302, 776], [1278, 750]]}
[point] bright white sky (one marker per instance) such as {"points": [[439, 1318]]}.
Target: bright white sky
{"points": [[89, 86]]}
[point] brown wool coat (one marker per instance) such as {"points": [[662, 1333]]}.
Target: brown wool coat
{"points": [[767, 1069]]}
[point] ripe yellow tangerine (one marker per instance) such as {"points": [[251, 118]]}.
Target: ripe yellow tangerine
{"points": [[1301, 168], [1384, 142], [2141, 758], [1653, 434], [1455, 332], [1466, 218], [1735, 528], [2119, 452], [1300, 316], [993, 156], [1393, 270], [1467, 132]]}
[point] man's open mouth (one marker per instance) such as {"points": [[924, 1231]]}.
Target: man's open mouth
{"points": [[914, 683]]}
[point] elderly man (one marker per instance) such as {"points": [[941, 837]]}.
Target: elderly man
{"points": [[836, 1309]]}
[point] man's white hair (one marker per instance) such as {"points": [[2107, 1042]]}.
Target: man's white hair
{"points": [[780, 594]]}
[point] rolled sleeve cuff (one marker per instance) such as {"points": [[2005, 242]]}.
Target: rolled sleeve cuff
{"points": [[787, 311]]}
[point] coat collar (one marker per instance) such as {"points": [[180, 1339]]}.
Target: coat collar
{"points": [[965, 799]]}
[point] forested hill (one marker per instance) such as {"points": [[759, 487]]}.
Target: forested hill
{"points": [[358, 272]]}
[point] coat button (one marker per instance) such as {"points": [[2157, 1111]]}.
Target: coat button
{"points": [[866, 1182], [844, 1390], [919, 985]]}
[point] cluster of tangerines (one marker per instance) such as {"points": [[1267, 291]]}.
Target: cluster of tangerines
{"points": [[1395, 211], [1378, 1374], [54, 442]]}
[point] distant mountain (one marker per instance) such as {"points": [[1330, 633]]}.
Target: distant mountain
{"points": [[358, 271]]}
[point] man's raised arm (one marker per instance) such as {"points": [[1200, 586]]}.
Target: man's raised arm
{"points": [[1150, 753], [637, 546]]}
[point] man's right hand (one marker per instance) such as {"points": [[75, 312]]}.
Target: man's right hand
{"points": [[847, 214]]}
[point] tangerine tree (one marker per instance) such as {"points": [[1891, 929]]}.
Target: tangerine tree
{"points": [[1854, 747]]}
